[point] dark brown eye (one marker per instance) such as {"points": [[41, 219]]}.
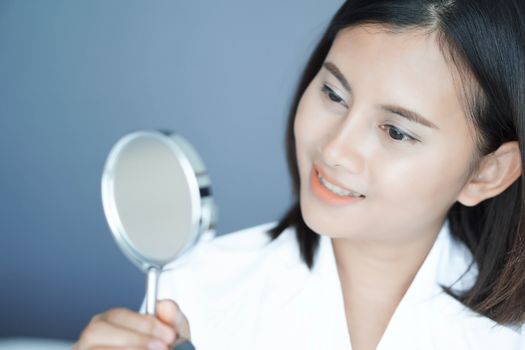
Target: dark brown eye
{"points": [[398, 135], [331, 94]]}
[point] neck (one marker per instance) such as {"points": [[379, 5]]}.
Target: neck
{"points": [[374, 278], [380, 272]]}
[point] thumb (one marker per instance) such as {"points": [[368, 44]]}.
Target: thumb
{"points": [[169, 312]]}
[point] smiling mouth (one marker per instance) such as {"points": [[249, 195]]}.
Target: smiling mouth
{"points": [[336, 189]]}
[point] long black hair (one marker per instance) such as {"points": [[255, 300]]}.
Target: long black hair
{"points": [[485, 40]]}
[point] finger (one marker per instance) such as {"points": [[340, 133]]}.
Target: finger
{"points": [[169, 312], [118, 348], [144, 324], [102, 333], [104, 347]]}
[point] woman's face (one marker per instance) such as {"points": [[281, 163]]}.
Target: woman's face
{"points": [[356, 125]]}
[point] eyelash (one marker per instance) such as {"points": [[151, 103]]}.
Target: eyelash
{"points": [[334, 97], [328, 92]]}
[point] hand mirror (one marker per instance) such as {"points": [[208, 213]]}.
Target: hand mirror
{"points": [[156, 196]]}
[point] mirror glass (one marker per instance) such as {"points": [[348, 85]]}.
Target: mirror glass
{"points": [[154, 198]]}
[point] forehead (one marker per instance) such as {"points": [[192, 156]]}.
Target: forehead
{"points": [[406, 68]]}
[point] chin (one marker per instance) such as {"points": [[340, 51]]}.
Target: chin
{"points": [[325, 226], [316, 222]]}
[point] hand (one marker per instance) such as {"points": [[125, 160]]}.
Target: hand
{"points": [[121, 328]]}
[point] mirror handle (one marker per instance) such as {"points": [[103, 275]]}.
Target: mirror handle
{"points": [[152, 279]]}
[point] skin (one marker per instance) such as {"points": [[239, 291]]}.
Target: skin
{"points": [[380, 242]]}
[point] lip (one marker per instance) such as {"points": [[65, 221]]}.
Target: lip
{"points": [[325, 194], [335, 182]]}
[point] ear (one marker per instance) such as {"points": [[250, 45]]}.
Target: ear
{"points": [[495, 173]]}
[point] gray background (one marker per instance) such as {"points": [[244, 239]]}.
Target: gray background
{"points": [[77, 75]]}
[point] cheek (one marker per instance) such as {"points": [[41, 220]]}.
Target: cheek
{"points": [[430, 179], [304, 121], [299, 135], [448, 165], [306, 128]]}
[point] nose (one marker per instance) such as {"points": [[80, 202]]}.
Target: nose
{"points": [[343, 146]]}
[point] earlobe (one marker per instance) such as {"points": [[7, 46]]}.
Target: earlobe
{"points": [[496, 172]]}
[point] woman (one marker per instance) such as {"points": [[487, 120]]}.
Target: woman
{"points": [[405, 146]]}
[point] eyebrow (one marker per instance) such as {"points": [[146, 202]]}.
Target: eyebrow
{"points": [[332, 68], [403, 112], [410, 115]]}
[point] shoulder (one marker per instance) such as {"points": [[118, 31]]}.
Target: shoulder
{"points": [[474, 330], [242, 244], [238, 258], [224, 283], [457, 270]]}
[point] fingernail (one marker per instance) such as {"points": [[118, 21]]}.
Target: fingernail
{"points": [[156, 345]]}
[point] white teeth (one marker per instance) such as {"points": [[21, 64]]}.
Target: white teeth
{"points": [[336, 189]]}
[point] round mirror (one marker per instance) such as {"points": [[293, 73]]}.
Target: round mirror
{"points": [[156, 195]]}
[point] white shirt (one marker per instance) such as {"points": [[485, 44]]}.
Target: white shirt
{"points": [[242, 291]]}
